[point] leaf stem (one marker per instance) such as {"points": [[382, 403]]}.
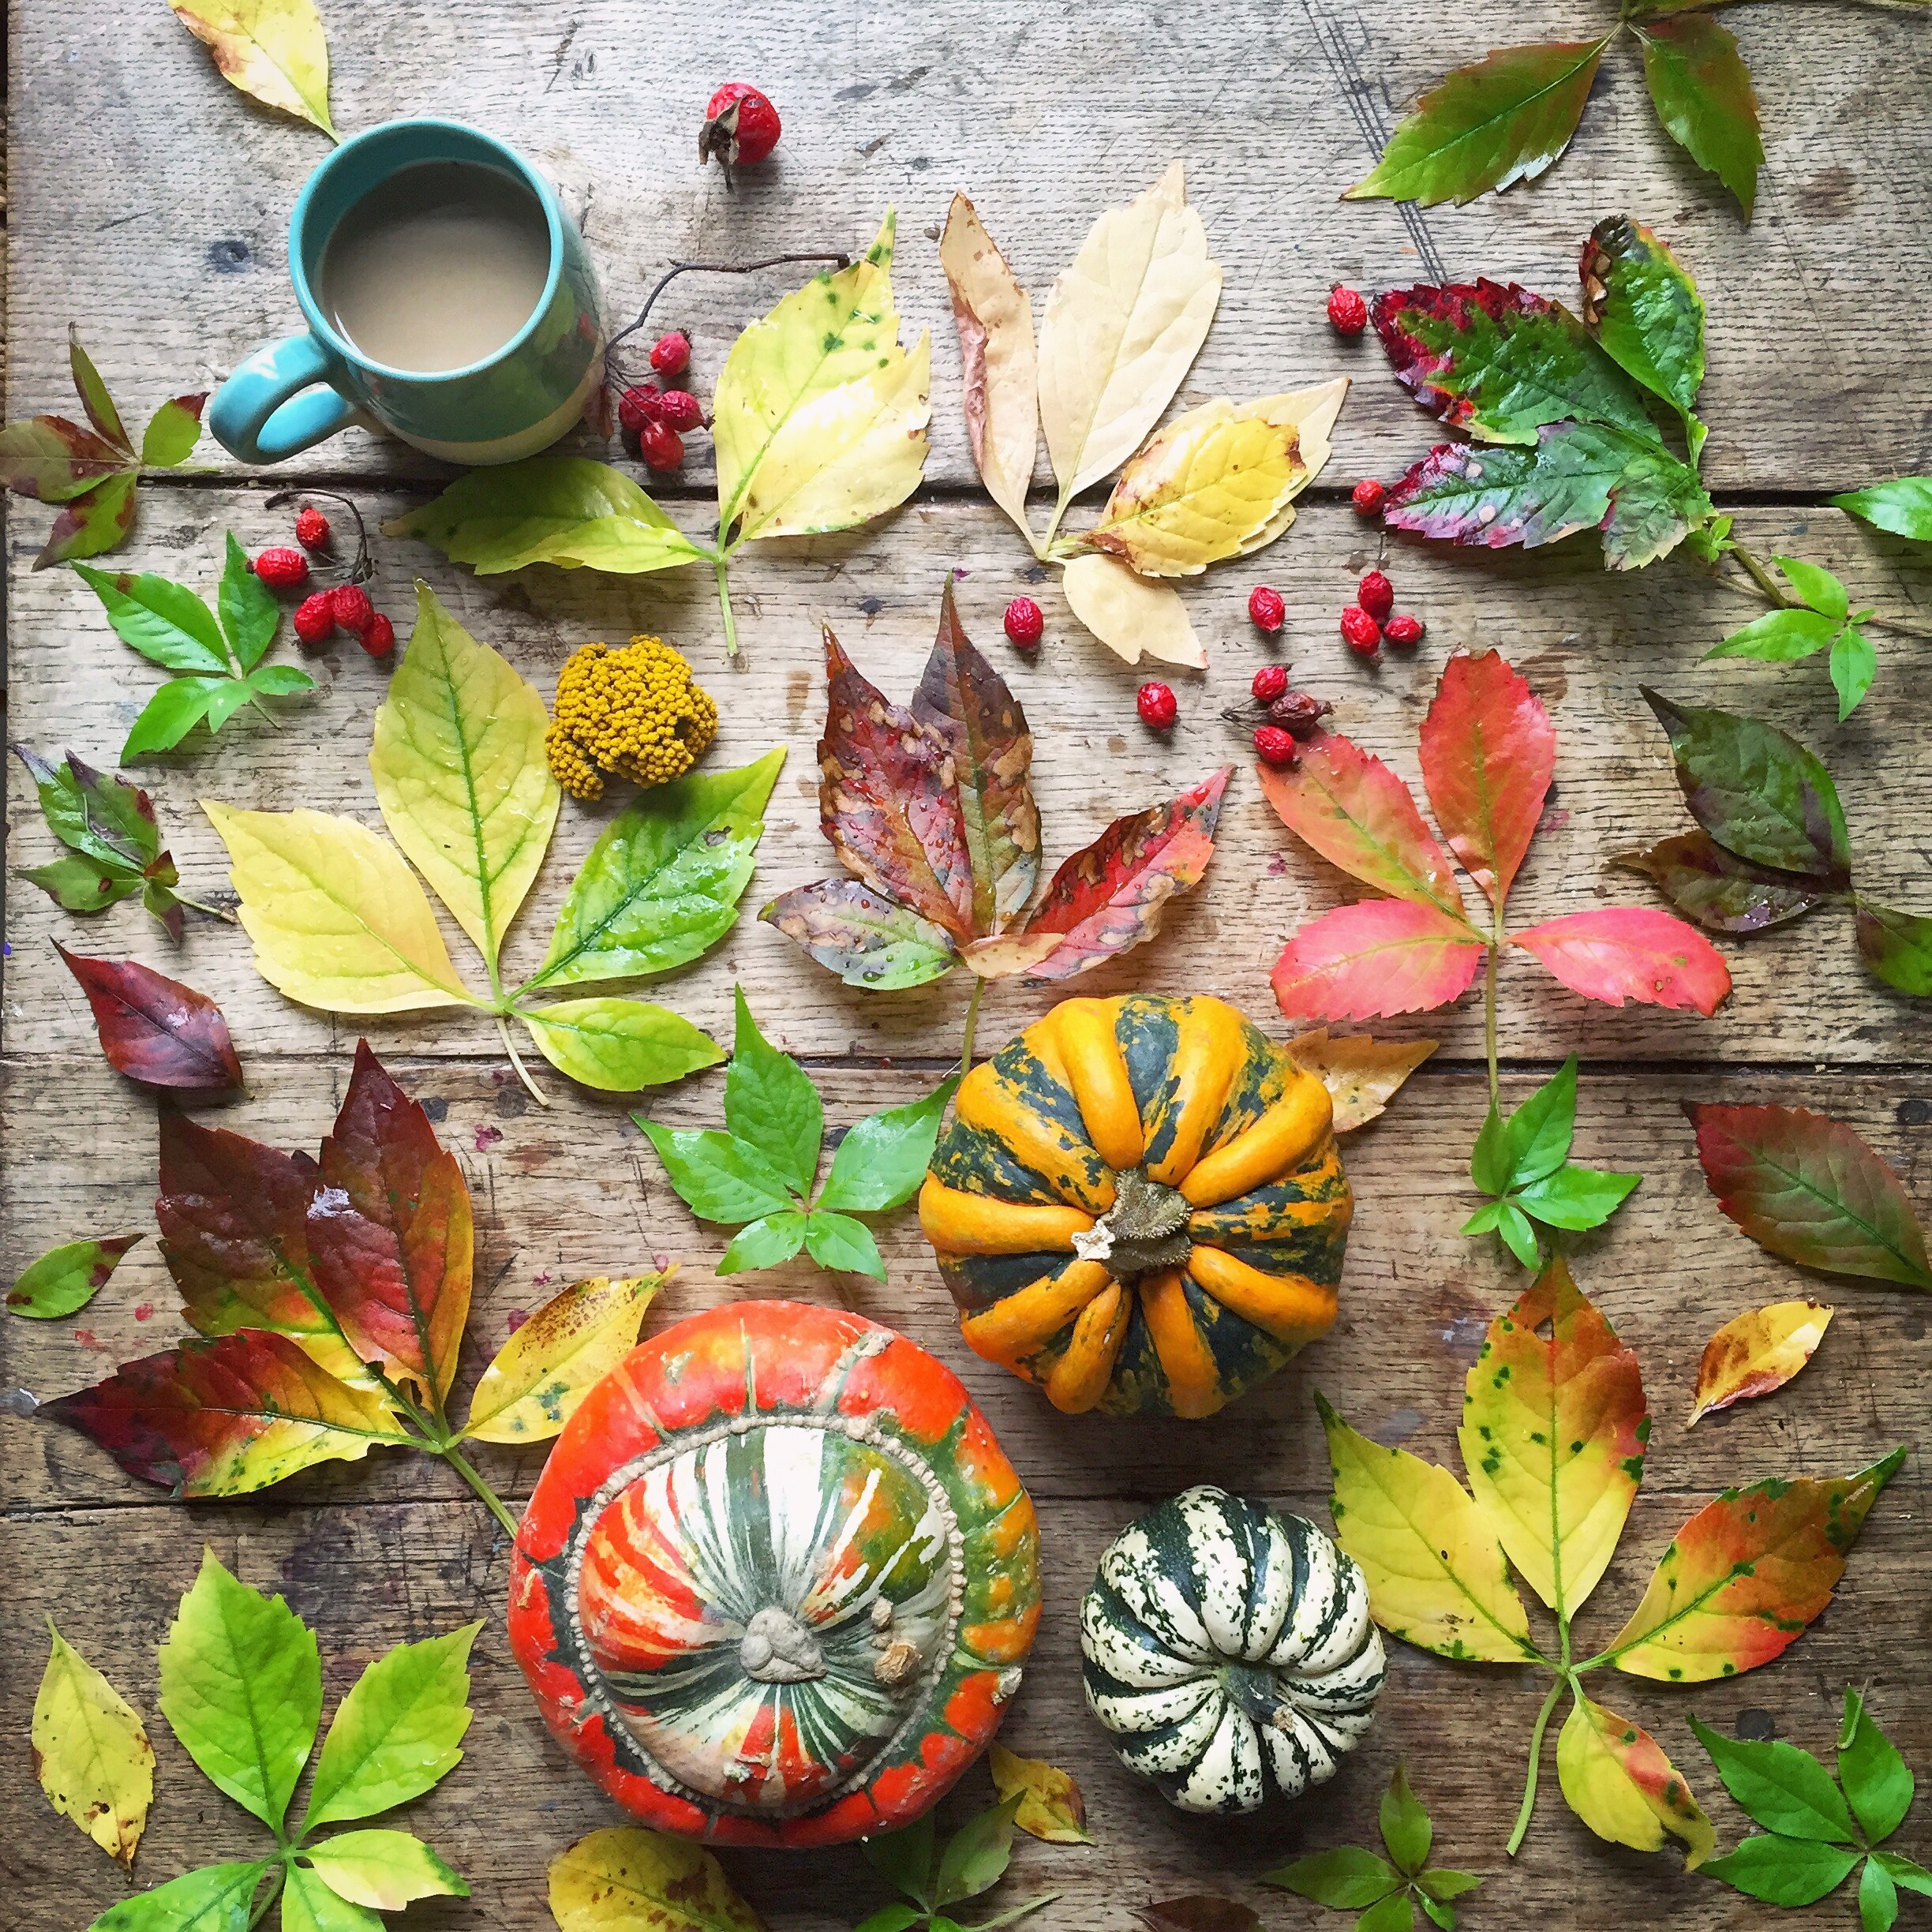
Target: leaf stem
{"points": [[1772, 593], [268, 1898], [1528, 1806], [255, 703], [1045, 543], [467, 1470], [721, 569], [181, 898], [972, 1021], [523, 1072], [1489, 1013]]}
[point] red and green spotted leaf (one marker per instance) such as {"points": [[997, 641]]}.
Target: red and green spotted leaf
{"points": [[1489, 753], [65, 1279], [868, 939], [1746, 1574], [1552, 1437], [1648, 315], [1615, 953], [1617, 1779], [1375, 959], [1703, 94], [51, 458], [1806, 1187], [155, 1030], [1720, 891], [224, 1417]]}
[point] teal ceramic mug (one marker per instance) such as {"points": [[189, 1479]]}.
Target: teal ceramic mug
{"points": [[291, 395]]}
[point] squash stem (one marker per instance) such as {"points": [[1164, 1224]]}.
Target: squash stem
{"points": [[1528, 1806], [721, 570], [972, 1021]]}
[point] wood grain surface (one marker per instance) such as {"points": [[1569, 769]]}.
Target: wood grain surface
{"points": [[148, 202]]}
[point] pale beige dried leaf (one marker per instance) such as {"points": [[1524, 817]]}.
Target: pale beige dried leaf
{"points": [[1362, 1075], [1757, 1352], [91, 1752], [273, 50], [1122, 325], [1134, 616], [1000, 365]]}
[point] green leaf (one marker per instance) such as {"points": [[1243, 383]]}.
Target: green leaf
{"points": [[764, 1244], [1486, 1219], [1903, 506], [1538, 1138], [308, 1905], [904, 1858], [1345, 1879], [1405, 1826], [619, 1045], [1897, 946], [93, 393], [1396, 1913], [172, 432], [1648, 315], [1877, 1780], [1778, 637], [227, 697], [1820, 588], [1854, 664], [836, 1241], [1784, 1789], [1489, 1162], [1702, 93], [563, 509], [249, 613], [1502, 120], [241, 1685], [279, 681], [897, 1917], [1784, 1871], [1444, 1884], [718, 1177], [1904, 1872], [1577, 1197], [92, 524], [1518, 1234], [976, 1855], [882, 1162], [662, 883], [215, 1898], [66, 1279], [397, 1731], [80, 884], [170, 714], [1439, 1914], [384, 1870], [771, 1104], [95, 813], [167, 623], [1878, 1898]]}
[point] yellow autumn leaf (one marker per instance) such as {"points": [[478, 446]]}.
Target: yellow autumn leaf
{"points": [[1755, 1352], [1000, 364], [626, 1878], [1122, 324], [91, 1752], [1362, 1075], [1050, 1805], [1434, 1569], [338, 919], [1134, 616], [460, 774], [273, 50], [820, 382], [545, 1370], [1311, 413], [1617, 1779]]}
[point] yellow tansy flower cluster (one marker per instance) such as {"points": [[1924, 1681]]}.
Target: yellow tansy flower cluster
{"points": [[638, 712]]}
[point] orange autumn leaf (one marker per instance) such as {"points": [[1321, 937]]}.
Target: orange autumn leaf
{"points": [[1755, 1352], [1050, 1805]]}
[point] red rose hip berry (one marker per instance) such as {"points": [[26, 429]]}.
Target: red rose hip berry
{"points": [[282, 568], [670, 355], [311, 528], [1376, 595], [1361, 632], [1404, 632], [1266, 611], [660, 446], [1275, 746], [677, 409], [315, 619], [741, 126], [1025, 624], [349, 605], [1270, 682], [379, 639], [1348, 314], [1156, 705], [1368, 497], [637, 405]]}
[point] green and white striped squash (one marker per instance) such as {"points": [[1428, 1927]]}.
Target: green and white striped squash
{"points": [[1229, 1652]]}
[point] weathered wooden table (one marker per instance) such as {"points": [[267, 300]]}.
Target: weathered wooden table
{"points": [[148, 204]]}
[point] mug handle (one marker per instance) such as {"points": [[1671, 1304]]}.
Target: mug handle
{"points": [[271, 407]]}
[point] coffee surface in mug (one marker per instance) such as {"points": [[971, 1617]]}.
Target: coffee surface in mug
{"points": [[438, 267]]}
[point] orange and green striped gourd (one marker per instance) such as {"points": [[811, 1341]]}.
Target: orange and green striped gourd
{"points": [[1139, 1205]]}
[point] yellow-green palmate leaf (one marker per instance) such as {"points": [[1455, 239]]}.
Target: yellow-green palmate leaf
{"points": [[1617, 1779], [460, 776], [338, 919], [1435, 1568], [1552, 1436], [619, 1045], [819, 416]]}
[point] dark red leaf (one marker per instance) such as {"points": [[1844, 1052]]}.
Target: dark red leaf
{"points": [[1201, 1911], [154, 1029], [1720, 890]]}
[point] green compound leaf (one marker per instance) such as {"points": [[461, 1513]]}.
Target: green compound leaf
{"points": [[1902, 506], [215, 1898], [764, 1243], [1648, 315], [837, 1241], [309, 1905], [1702, 93], [249, 613], [716, 1176], [1854, 664], [1877, 1780], [882, 1162], [1822, 589], [172, 432], [1346, 1879], [1778, 637], [384, 1870], [1576, 1198], [1537, 1136], [770, 1104], [1785, 1871], [167, 623], [1405, 1825], [1784, 1789]]}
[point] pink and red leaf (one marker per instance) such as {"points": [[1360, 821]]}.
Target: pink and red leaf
{"points": [[1631, 952], [1373, 960]]}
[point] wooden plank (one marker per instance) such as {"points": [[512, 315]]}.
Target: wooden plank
{"points": [[150, 204], [1587, 642]]}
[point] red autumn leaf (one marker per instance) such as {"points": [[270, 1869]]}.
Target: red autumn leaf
{"points": [[1631, 952], [1357, 815], [154, 1029], [1746, 1575], [1373, 960], [887, 800], [1112, 896], [389, 1231], [223, 1418], [1488, 750], [54, 459], [1805, 1186]]}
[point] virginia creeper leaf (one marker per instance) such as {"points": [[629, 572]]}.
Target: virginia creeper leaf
{"points": [[771, 1104], [215, 1899], [1897, 946], [1806, 1187], [1720, 890], [882, 1162], [1784, 1789], [167, 623], [619, 1045], [1346, 1878], [1362, 1075], [1648, 315], [272, 49], [1134, 616], [975, 1859], [383, 1870], [717, 1176], [1702, 92], [1615, 953], [113, 844], [1778, 637], [250, 614], [1537, 1136], [91, 1751], [1746, 1575], [1618, 1781], [866, 939], [51, 458], [1405, 1825], [89, 525], [1784, 1871], [63, 1280], [1576, 1198], [154, 1029], [309, 1905], [1756, 1352], [1375, 959], [170, 715], [769, 1241], [1904, 506], [625, 1876], [1854, 664], [172, 432], [838, 1242], [1877, 1780], [1050, 1806]]}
